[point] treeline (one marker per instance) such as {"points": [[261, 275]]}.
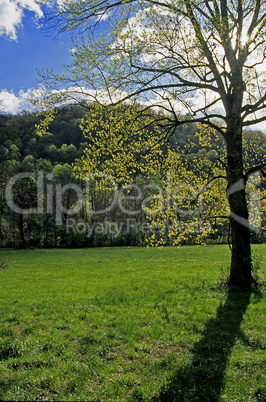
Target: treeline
{"points": [[38, 187]]}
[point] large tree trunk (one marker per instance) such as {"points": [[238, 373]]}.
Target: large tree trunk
{"points": [[240, 271]]}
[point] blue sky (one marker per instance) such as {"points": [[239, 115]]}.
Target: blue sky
{"points": [[25, 47]]}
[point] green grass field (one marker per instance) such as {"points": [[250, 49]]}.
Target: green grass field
{"points": [[128, 324]]}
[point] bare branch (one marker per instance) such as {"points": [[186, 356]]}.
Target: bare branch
{"points": [[254, 21], [249, 109], [255, 121], [254, 169]]}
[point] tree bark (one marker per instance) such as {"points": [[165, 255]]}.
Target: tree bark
{"points": [[21, 231], [241, 264]]}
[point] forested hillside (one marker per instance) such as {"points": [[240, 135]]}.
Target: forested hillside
{"points": [[51, 159]]}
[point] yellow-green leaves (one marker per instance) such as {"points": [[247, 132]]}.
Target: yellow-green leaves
{"points": [[178, 199], [45, 122], [120, 144]]}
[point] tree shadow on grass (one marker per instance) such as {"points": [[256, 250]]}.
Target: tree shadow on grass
{"points": [[203, 379]]}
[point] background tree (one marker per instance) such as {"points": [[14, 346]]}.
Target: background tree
{"points": [[203, 57]]}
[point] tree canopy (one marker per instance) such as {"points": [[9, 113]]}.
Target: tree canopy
{"points": [[182, 56]]}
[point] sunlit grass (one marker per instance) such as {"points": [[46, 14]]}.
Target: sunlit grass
{"points": [[123, 324]]}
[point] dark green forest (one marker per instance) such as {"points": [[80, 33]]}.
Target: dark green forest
{"points": [[50, 158]]}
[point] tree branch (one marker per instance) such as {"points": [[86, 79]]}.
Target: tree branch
{"points": [[254, 169], [256, 121]]}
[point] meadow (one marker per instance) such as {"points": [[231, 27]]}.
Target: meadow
{"points": [[129, 324]]}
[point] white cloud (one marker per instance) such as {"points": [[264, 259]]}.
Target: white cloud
{"points": [[42, 100], [16, 103], [12, 13], [12, 103]]}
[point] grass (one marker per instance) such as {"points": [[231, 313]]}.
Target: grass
{"points": [[128, 324]]}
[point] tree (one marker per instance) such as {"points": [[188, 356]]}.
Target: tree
{"points": [[204, 58], [166, 193]]}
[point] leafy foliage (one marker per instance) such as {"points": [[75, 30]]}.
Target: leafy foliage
{"points": [[182, 185]]}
